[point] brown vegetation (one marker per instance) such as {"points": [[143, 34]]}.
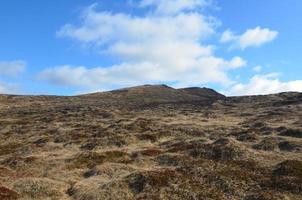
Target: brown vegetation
{"points": [[151, 142]]}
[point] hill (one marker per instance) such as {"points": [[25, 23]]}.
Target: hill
{"points": [[151, 142]]}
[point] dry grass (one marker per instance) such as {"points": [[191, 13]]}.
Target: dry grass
{"points": [[40, 188], [151, 143], [8, 194]]}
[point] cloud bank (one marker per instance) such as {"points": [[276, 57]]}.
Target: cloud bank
{"points": [[164, 45], [265, 84], [130, 74]]}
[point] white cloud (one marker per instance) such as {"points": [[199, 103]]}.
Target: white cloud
{"points": [[130, 74], [164, 45], [256, 37], [8, 88], [257, 68], [12, 68], [227, 36], [101, 77], [251, 38], [236, 62], [265, 84], [100, 28]]}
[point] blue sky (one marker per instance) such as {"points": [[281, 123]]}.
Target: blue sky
{"points": [[77, 46]]}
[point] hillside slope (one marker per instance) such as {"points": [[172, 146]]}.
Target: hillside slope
{"points": [[151, 142]]}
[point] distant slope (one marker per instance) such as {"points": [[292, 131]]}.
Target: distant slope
{"points": [[154, 94], [203, 92], [146, 95]]}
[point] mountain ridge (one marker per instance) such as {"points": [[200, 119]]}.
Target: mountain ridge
{"points": [[189, 89]]}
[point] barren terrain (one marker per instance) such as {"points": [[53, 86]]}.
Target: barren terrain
{"points": [[151, 142]]}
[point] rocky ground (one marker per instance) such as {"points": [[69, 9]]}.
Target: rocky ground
{"points": [[151, 142]]}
